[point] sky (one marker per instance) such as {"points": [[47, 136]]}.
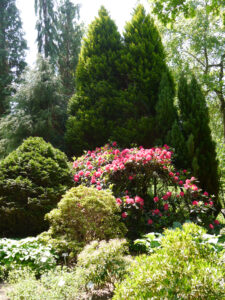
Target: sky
{"points": [[120, 11]]}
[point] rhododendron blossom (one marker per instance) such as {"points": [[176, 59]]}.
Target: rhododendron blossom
{"points": [[158, 192]]}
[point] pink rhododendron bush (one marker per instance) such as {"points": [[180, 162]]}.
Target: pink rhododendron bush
{"points": [[150, 192]]}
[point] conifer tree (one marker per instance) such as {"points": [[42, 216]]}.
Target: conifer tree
{"points": [[149, 86], [47, 28], [12, 50], [69, 41], [97, 105], [200, 149], [38, 109]]}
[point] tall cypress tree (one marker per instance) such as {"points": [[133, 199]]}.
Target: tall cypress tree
{"points": [[69, 41], [12, 49], [200, 149], [96, 106], [47, 29], [148, 85]]}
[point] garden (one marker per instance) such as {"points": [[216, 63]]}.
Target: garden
{"points": [[112, 154]]}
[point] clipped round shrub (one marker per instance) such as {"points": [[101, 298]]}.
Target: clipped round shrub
{"points": [[184, 268], [85, 214], [32, 180]]}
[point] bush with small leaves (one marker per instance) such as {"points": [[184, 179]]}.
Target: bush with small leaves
{"points": [[60, 283], [85, 214], [104, 262], [32, 180], [184, 268]]}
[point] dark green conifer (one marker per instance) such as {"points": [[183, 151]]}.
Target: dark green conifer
{"points": [[96, 105], [47, 29], [200, 149], [69, 41], [148, 85], [12, 50]]}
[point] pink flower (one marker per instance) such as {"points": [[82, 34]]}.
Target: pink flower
{"points": [[81, 173], [156, 199], [139, 200], [193, 178], [169, 194], [93, 180], [87, 173], [124, 215], [90, 167], [76, 178], [176, 178], [195, 203], [205, 194], [156, 211], [211, 226], [184, 171], [118, 201], [181, 194], [148, 157], [150, 221], [194, 187], [97, 174], [165, 197], [216, 222], [211, 203], [166, 206], [180, 182], [171, 174], [114, 144], [131, 178], [130, 201], [99, 187]]}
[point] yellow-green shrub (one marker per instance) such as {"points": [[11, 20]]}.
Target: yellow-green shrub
{"points": [[85, 214], [184, 268]]}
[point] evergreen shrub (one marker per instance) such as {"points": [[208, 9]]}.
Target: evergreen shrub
{"points": [[32, 180]]}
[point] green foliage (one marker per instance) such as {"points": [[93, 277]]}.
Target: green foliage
{"points": [[96, 104], [194, 38], [119, 86], [148, 243], [69, 41], [200, 149], [83, 215], [29, 252], [38, 108], [59, 283], [184, 268], [104, 262], [12, 50], [99, 265], [32, 181], [148, 85], [46, 26]]}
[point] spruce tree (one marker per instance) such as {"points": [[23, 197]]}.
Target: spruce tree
{"points": [[69, 41], [12, 50], [200, 149], [47, 28], [38, 109], [96, 106], [148, 84]]}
